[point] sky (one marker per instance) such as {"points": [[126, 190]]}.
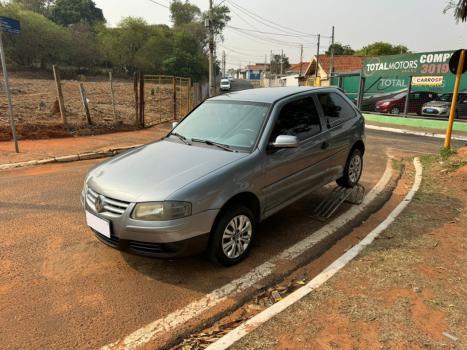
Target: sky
{"points": [[418, 24]]}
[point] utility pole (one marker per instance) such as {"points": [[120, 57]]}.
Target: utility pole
{"points": [[317, 57], [301, 59], [282, 62], [212, 88], [331, 64], [223, 63]]}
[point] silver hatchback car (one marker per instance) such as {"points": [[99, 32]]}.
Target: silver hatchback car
{"points": [[232, 162]]}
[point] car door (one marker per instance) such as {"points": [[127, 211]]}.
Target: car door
{"points": [[291, 172], [342, 129]]}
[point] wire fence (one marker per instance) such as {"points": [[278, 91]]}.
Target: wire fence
{"points": [[95, 105]]}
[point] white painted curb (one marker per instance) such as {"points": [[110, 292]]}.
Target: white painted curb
{"points": [[69, 158], [230, 338], [412, 132], [177, 318]]}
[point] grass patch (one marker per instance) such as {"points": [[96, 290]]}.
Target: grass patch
{"points": [[445, 153]]}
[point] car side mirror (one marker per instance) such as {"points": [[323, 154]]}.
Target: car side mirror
{"points": [[174, 125], [285, 141]]}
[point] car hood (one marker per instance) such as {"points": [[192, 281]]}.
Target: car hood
{"points": [[437, 104], [154, 171]]}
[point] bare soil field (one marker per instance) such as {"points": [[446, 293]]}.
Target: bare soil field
{"points": [[37, 115]]}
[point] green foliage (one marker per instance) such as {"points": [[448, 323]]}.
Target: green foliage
{"points": [[381, 48], [219, 18], [73, 33], [66, 12], [340, 49], [40, 41], [445, 153], [460, 9], [183, 12], [276, 64]]}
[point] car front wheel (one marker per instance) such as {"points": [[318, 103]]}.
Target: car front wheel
{"points": [[353, 169], [232, 235]]}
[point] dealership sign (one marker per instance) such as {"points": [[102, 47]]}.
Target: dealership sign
{"points": [[415, 64], [428, 81]]}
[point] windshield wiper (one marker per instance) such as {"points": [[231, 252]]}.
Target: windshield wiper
{"points": [[212, 143], [181, 137]]}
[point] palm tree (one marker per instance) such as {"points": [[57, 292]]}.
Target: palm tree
{"points": [[460, 9]]}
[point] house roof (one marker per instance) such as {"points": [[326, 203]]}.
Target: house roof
{"points": [[342, 64], [295, 67], [257, 66]]}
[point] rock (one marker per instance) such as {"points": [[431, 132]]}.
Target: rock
{"points": [[417, 290]]}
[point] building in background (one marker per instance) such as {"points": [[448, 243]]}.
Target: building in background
{"points": [[345, 64], [254, 71]]}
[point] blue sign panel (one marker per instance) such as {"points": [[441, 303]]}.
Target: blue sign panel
{"points": [[9, 25]]}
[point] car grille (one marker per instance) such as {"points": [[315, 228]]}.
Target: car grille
{"points": [[110, 205], [146, 247]]}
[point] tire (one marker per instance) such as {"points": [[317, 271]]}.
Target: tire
{"points": [[353, 169], [395, 110], [232, 219]]}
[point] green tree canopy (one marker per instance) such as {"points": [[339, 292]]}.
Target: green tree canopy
{"points": [[39, 6], [340, 49], [183, 12], [381, 48], [66, 12], [276, 64], [40, 40]]}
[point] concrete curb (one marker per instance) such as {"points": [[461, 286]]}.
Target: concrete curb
{"points": [[249, 326], [69, 158], [411, 132]]}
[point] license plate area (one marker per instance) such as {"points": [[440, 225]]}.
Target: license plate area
{"points": [[100, 225]]}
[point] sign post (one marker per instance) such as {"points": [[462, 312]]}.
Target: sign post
{"points": [[457, 66], [10, 26]]}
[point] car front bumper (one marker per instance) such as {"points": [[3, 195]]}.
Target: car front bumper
{"points": [[164, 239], [436, 111]]}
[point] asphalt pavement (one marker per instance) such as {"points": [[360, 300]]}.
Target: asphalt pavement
{"points": [[61, 288]]}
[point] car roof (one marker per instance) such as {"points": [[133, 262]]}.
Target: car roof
{"points": [[264, 95]]}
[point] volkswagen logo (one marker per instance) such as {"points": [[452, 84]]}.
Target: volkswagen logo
{"points": [[99, 203]]}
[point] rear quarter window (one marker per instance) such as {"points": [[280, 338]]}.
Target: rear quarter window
{"points": [[335, 108]]}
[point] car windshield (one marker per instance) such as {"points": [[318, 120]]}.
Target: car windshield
{"points": [[235, 124], [445, 97]]}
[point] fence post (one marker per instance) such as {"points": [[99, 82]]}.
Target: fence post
{"points": [[361, 92], [190, 91], [61, 102], [112, 95], [141, 99], [84, 100], [135, 90], [406, 104], [174, 84]]}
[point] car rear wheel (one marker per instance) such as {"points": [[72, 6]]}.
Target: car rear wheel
{"points": [[353, 169], [232, 235]]}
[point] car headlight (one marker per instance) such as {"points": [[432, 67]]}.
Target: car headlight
{"points": [[385, 104], [161, 211]]}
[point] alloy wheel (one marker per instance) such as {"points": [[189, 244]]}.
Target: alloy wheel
{"points": [[237, 236], [355, 168]]}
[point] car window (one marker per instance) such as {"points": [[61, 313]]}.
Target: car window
{"points": [[298, 118], [335, 108]]}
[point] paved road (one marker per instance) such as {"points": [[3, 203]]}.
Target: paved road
{"points": [[238, 85], [61, 288]]}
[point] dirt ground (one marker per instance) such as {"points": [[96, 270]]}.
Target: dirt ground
{"points": [[37, 115], [407, 291]]}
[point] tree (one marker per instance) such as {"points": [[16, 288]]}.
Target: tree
{"points": [[183, 13], [38, 6], [381, 48], [340, 49], [460, 9], [276, 64], [219, 18], [66, 12]]}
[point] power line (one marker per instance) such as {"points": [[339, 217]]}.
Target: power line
{"points": [[158, 3], [270, 33], [268, 40], [262, 19]]}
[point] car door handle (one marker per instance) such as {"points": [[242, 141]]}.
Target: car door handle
{"points": [[324, 145]]}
